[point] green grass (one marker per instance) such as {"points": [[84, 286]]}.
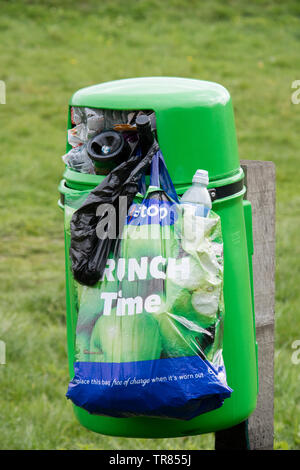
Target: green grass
{"points": [[47, 51]]}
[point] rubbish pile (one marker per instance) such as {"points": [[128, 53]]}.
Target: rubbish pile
{"points": [[102, 138]]}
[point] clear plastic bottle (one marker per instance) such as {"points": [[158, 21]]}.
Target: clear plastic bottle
{"points": [[197, 195]]}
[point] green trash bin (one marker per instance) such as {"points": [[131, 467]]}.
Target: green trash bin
{"points": [[195, 129]]}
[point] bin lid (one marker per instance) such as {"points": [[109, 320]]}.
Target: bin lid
{"points": [[195, 121]]}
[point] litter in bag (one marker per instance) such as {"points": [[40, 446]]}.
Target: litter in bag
{"points": [[149, 332]]}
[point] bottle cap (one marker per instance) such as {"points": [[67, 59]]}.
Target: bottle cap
{"points": [[142, 120], [201, 176]]}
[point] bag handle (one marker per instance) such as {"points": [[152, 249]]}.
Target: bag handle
{"points": [[159, 176]]}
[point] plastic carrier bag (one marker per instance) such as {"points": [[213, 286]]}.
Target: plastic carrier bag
{"points": [[149, 332]]}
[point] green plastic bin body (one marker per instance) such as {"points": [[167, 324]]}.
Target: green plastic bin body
{"points": [[195, 127]]}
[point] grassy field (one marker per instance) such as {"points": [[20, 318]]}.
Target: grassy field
{"points": [[47, 51]]}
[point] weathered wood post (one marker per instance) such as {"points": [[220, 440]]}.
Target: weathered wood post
{"points": [[257, 432]]}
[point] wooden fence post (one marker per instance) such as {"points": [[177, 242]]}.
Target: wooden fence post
{"points": [[257, 432]]}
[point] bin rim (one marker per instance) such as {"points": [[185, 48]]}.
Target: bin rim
{"points": [[81, 181], [69, 186]]}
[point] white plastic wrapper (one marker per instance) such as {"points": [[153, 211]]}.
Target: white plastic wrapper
{"points": [[77, 159]]}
